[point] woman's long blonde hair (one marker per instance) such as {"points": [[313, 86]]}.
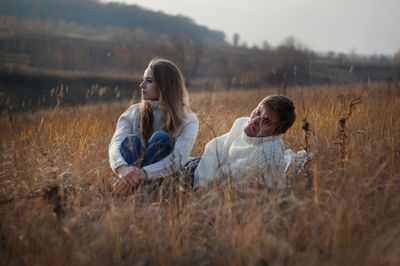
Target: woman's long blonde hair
{"points": [[174, 99]]}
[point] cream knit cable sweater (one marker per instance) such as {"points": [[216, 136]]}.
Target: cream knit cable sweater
{"points": [[241, 157], [185, 137]]}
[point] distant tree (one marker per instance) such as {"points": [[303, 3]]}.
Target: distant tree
{"points": [[331, 55], [236, 39], [396, 58], [187, 51], [396, 61], [266, 46], [340, 58], [384, 60], [289, 42], [292, 42]]}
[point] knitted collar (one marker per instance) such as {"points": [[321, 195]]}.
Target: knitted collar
{"points": [[154, 104], [258, 140]]}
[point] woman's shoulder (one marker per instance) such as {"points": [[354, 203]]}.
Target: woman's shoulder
{"points": [[133, 108], [131, 112], [190, 117]]}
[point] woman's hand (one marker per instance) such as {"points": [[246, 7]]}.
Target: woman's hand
{"points": [[135, 176], [129, 177], [119, 186]]}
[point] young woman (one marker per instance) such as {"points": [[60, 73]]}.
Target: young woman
{"points": [[154, 138], [252, 149]]}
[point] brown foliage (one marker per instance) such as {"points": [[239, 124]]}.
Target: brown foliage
{"points": [[56, 162]]}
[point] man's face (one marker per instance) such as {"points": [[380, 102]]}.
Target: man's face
{"points": [[262, 122]]}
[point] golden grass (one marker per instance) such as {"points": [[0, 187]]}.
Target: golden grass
{"points": [[350, 216]]}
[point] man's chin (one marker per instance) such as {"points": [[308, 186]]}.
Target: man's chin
{"points": [[248, 131]]}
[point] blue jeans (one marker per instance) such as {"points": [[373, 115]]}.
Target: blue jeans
{"points": [[158, 147]]}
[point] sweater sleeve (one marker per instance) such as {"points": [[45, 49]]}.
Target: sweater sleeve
{"points": [[182, 149], [126, 125], [210, 164], [274, 171], [215, 155]]}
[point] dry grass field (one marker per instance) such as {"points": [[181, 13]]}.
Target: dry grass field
{"points": [[56, 207]]}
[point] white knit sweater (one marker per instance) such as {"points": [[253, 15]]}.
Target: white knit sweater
{"points": [[241, 157], [185, 137]]}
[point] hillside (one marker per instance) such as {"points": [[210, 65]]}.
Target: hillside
{"points": [[93, 13], [82, 45]]}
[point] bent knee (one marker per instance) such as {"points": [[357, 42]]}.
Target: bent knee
{"points": [[160, 136]]}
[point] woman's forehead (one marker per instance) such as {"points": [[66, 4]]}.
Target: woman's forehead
{"points": [[148, 73]]}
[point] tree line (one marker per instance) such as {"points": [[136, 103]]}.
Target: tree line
{"points": [[39, 54]]}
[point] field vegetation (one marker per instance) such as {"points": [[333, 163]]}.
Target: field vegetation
{"points": [[344, 209]]}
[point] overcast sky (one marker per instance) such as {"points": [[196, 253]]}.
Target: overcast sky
{"points": [[362, 26]]}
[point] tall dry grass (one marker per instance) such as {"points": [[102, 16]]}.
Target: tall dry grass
{"points": [[56, 207]]}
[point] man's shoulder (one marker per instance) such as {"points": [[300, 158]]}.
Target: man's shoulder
{"points": [[240, 122]]}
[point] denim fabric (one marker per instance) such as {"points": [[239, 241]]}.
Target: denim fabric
{"points": [[158, 147], [130, 149]]}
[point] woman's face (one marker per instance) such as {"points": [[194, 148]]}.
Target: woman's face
{"points": [[149, 87], [262, 122]]}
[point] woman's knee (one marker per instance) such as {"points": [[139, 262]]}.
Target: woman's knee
{"points": [[159, 136], [130, 149], [158, 147], [131, 141]]}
